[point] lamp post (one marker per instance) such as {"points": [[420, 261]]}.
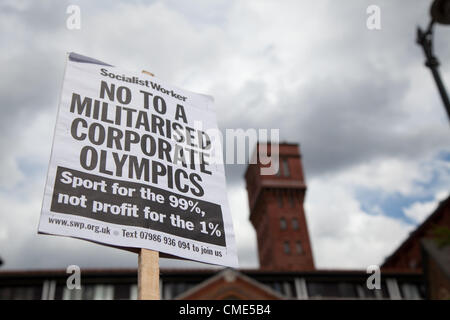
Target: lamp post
{"points": [[440, 13]]}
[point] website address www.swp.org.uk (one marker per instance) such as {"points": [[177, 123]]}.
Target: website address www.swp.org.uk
{"points": [[79, 225]]}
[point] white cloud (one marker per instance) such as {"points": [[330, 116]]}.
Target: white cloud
{"points": [[387, 175], [30, 144], [346, 236], [405, 177], [343, 235], [419, 211]]}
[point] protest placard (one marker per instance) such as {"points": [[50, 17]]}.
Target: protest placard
{"points": [[132, 166]]}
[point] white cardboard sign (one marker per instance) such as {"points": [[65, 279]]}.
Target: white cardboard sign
{"points": [[132, 166]]}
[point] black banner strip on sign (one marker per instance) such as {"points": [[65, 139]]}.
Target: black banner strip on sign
{"points": [[134, 204]]}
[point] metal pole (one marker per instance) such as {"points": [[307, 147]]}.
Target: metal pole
{"points": [[425, 40]]}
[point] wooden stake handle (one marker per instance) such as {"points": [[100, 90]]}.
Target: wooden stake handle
{"points": [[148, 275], [148, 267], [148, 72]]}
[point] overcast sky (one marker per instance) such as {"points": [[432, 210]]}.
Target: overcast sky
{"points": [[373, 132]]}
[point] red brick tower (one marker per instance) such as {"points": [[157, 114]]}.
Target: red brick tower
{"points": [[276, 210]]}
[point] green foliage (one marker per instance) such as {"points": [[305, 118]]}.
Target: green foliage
{"points": [[442, 236]]}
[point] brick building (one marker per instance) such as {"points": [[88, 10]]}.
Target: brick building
{"points": [[286, 270], [408, 255], [276, 211], [436, 265]]}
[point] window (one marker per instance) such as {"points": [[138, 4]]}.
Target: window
{"points": [[167, 291], [286, 247], [332, 290], [288, 289], [286, 168], [410, 291], [180, 287], [283, 224], [90, 292], [134, 292], [298, 247], [295, 224], [280, 200], [366, 293], [103, 292], [74, 294], [291, 200], [20, 293], [121, 292], [48, 290], [276, 286]]}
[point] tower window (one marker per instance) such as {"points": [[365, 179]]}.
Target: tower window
{"points": [[291, 200], [295, 224], [286, 168], [280, 200], [298, 247], [286, 247], [283, 224]]}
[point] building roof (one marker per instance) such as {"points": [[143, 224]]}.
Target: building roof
{"points": [[419, 232], [229, 284], [441, 255]]}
